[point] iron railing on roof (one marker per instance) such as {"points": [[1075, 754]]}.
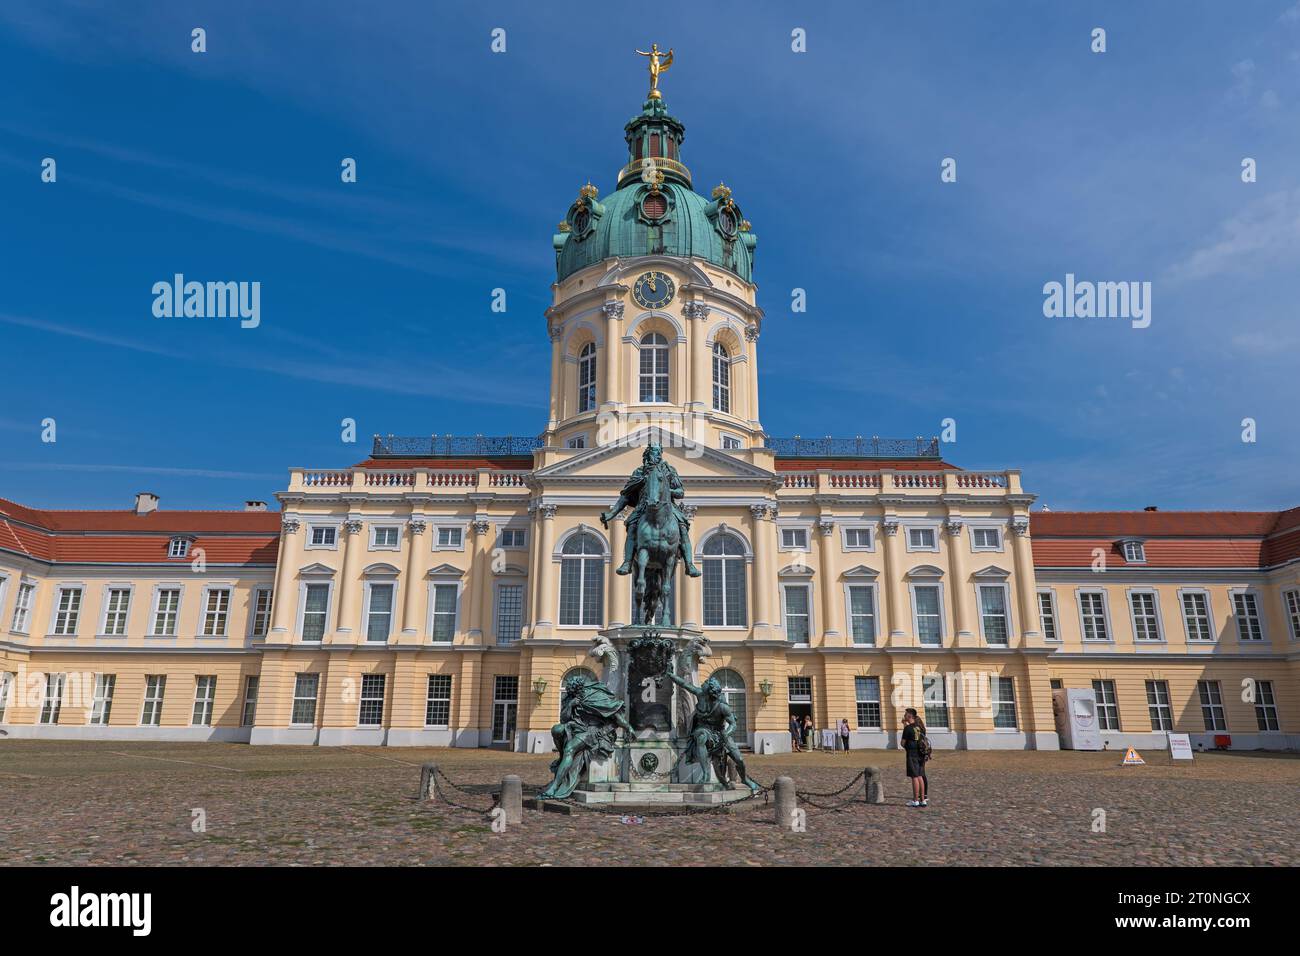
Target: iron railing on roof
{"points": [[452, 446], [859, 447]]}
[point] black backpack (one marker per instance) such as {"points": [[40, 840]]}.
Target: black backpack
{"points": [[924, 749]]}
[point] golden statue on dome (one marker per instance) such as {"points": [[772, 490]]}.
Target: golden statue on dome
{"points": [[657, 66]]}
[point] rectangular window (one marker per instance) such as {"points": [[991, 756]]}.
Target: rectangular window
{"points": [[371, 712], [867, 692], [155, 687], [444, 612], [929, 623], [23, 608], [205, 692], [510, 612], [1146, 623], [1211, 705], [1003, 697], [577, 441], [1291, 604], [437, 705], [384, 537], [1196, 616], [69, 610], [1135, 552], [986, 539], [115, 611], [102, 706], [323, 536], [53, 702], [449, 537], [730, 443], [934, 695], [379, 616], [216, 613], [249, 715], [796, 613], [921, 539], [800, 689], [1107, 705], [1158, 707], [795, 539], [261, 625], [1265, 706], [862, 613], [993, 614], [857, 539], [514, 537], [305, 689], [178, 547], [1249, 626], [505, 707], [1047, 615], [1092, 611], [167, 605], [316, 604]]}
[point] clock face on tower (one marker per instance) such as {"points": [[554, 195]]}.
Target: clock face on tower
{"points": [[654, 290]]}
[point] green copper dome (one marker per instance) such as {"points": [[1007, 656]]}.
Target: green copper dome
{"points": [[654, 210]]}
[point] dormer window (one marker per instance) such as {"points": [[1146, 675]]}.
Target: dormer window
{"points": [[178, 547], [1134, 552]]}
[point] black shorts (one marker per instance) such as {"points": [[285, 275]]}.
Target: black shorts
{"points": [[915, 765]]}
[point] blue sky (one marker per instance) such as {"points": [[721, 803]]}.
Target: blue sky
{"points": [[924, 298]]}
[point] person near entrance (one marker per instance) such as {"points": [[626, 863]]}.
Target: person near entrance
{"points": [[794, 734], [913, 735], [844, 733]]}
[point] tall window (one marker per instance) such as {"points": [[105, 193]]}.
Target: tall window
{"points": [[733, 693], [862, 613], [261, 612], [216, 613], [53, 702], [1146, 623], [437, 702], [1107, 704], [993, 613], [1047, 614], [6, 687], [724, 581], [796, 613], [379, 613], [721, 378], [505, 707], [69, 609], [654, 368], [23, 608], [934, 695], [1003, 698], [249, 715], [510, 612], [1249, 626], [925, 606], [1291, 602], [1162, 714], [587, 378], [444, 612], [205, 692], [1092, 610], [371, 711], [315, 609], [1211, 705], [1196, 616], [102, 706], [306, 687], [866, 693], [582, 581], [1265, 705], [167, 604], [116, 610], [155, 686]]}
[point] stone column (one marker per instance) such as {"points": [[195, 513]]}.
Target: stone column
{"points": [[557, 383], [692, 589], [613, 392], [967, 634], [895, 591], [349, 585], [764, 571], [546, 585], [833, 632], [701, 365], [480, 569], [414, 583], [751, 336], [283, 601], [620, 591], [1031, 634]]}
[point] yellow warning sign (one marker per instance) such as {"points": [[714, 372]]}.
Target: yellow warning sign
{"points": [[1132, 758]]}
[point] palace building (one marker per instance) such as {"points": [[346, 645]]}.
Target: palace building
{"points": [[438, 592]]}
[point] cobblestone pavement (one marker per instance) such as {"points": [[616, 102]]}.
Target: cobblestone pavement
{"points": [[101, 803]]}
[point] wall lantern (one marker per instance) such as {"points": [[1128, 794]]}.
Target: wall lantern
{"points": [[766, 687], [539, 687]]}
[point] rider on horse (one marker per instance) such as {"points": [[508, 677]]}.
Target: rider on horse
{"points": [[631, 495]]}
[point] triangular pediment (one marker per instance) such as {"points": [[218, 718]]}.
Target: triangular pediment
{"points": [[316, 568], [992, 573], [861, 573], [617, 460], [443, 571]]}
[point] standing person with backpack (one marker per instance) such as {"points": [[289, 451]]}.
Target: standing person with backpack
{"points": [[917, 746]]}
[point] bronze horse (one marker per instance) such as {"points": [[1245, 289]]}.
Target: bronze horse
{"points": [[655, 551]]}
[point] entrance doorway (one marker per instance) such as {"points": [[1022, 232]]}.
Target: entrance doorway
{"points": [[800, 693], [505, 709]]}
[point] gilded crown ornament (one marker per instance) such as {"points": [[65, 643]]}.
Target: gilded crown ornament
{"points": [[564, 225], [588, 191], [721, 191]]}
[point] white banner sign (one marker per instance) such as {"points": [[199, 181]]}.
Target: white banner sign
{"points": [[1180, 747]]}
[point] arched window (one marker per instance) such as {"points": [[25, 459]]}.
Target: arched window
{"points": [[733, 692], [584, 671], [587, 378], [721, 378], [724, 581], [582, 580], [654, 368]]}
